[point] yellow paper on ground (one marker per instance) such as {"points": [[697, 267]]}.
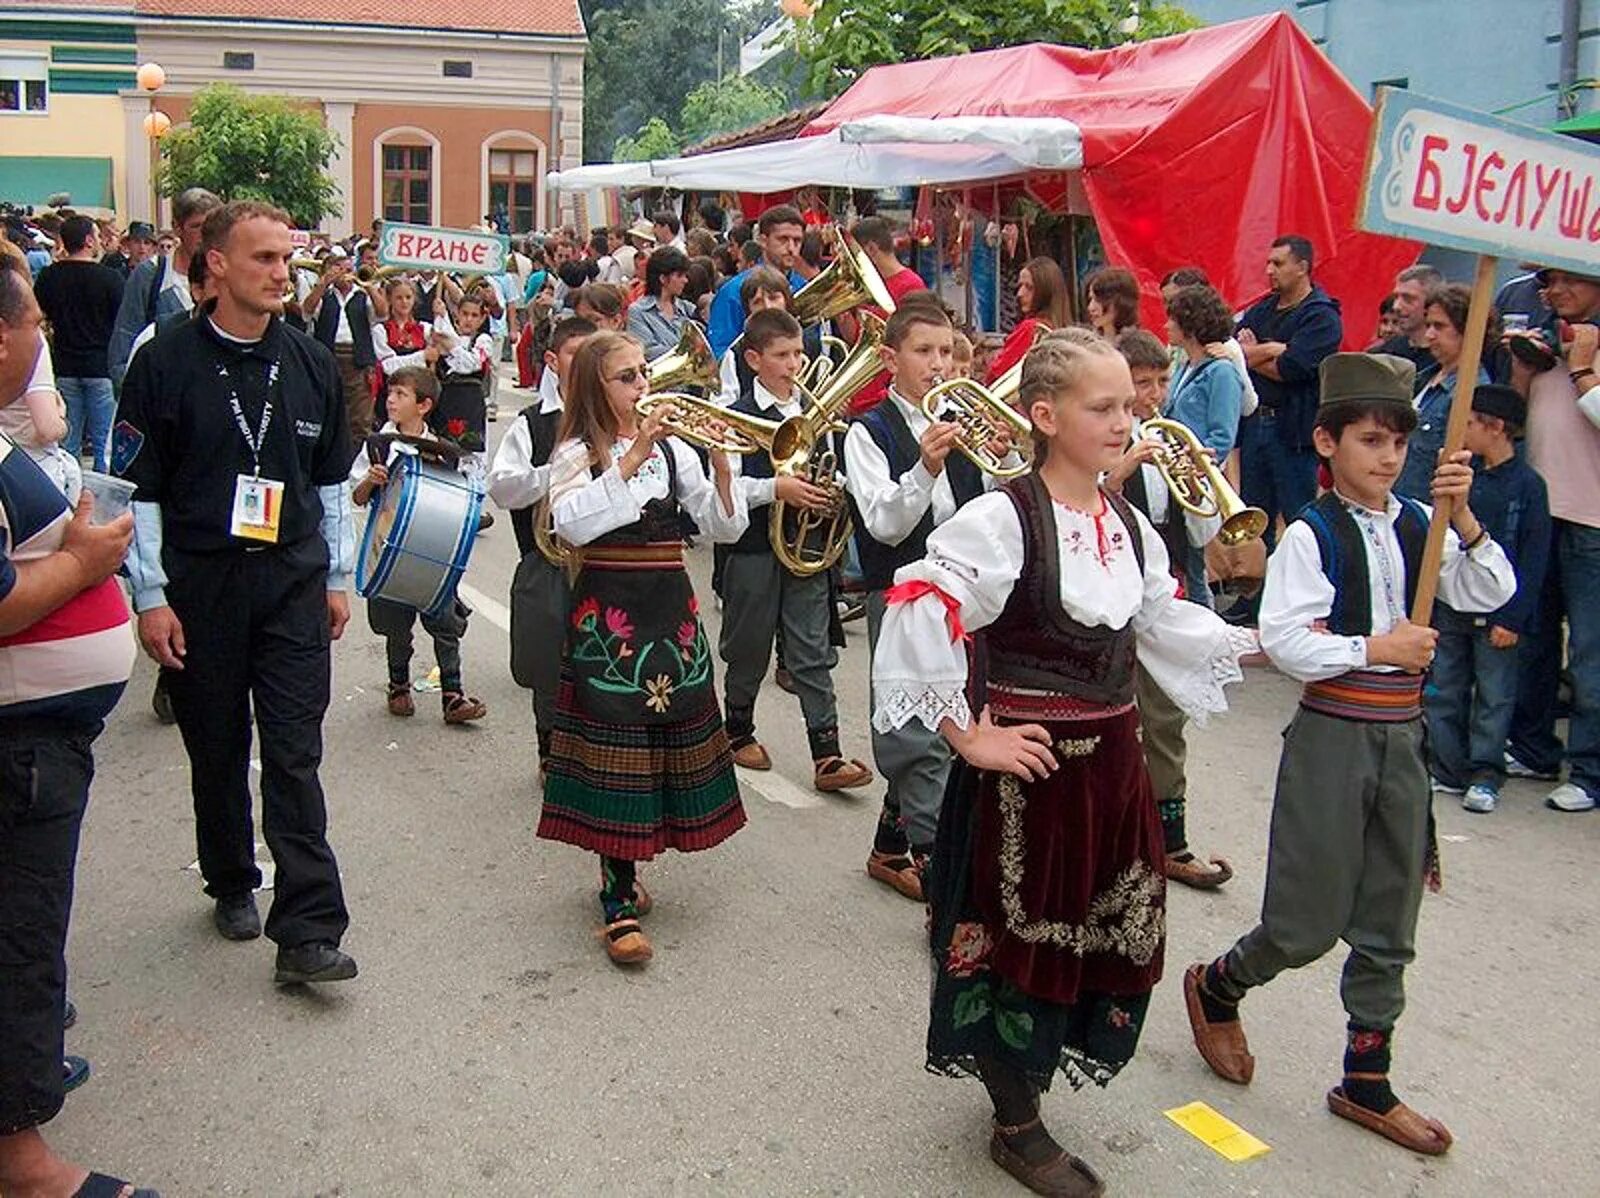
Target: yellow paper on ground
{"points": [[1217, 1132]]}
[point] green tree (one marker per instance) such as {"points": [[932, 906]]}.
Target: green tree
{"points": [[731, 103], [646, 56], [655, 139], [246, 147], [842, 38]]}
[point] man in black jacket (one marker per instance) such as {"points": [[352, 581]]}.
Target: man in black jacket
{"points": [[1285, 336]]}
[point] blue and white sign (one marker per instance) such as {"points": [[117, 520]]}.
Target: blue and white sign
{"points": [[1447, 175]]}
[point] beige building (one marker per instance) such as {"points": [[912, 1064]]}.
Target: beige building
{"points": [[438, 123]]}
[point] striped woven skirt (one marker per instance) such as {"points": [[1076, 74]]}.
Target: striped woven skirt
{"points": [[633, 790]]}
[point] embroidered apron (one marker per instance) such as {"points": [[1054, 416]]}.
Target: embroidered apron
{"points": [[635, 647]]}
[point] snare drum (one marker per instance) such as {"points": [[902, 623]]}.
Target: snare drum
{"points": [[419, 535]]}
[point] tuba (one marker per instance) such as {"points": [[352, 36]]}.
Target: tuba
{"points": [[807, 541], [849, 281], [1198, 486], [983, 413], [690, 363]]}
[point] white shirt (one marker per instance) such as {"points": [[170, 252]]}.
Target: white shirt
{"points": [[758, 492], [173, 281], [729, 371], [977, 557], [1297, 594], [549, 389], [513, 480], [390, 359], [586, 508], [892, 508], [342, 335]]}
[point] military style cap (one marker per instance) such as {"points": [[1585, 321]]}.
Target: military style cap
{"points": [[1382, 377]]}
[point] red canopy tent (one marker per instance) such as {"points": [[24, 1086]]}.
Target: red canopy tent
{"points": [[1198, 150]]}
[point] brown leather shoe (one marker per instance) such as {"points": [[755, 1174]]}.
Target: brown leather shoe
{"points": [[460, 709], [1221, 1044], [898, 873], [835, 773], [400, 700], [626, 943], [1403, 1125], [1064, 1176], [752, 756], [1200, 875]]}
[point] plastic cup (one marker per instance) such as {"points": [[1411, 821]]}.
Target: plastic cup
{"points": [[112, 496]]}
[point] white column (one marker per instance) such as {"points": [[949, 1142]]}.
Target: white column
{"points": [[135, 106], [340, 118]]}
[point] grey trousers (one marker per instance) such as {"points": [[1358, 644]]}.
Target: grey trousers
{"points": [[1161, 723], [540, 601], [1345, 861], [758, 593], [914, 761], [395, 622]]}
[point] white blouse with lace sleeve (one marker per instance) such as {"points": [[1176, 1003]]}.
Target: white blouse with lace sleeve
{"points": [[585, 508], [975, 558]]}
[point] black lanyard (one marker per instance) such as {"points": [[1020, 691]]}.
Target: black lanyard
{"points": [[253, 441]]}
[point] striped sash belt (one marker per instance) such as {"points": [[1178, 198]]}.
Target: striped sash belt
{"points": [[1369, 695]]}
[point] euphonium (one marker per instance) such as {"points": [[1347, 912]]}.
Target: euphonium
{"points": [[690, 363], [1198, 486], [982, 414], [804, 540], [703, 423]]}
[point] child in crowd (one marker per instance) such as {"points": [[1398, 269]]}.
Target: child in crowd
{"points": [[1351, 844], [1047, 896], [1161, 721], [463, 355], [763, 289], [1472, 688], [961, 356], [519, 481], [905, 477], [759, 594], [639, 760], [412, 394]]}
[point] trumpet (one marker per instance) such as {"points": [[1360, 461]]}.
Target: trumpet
{"points": [[984, 414], [1198, 486], [817, 371], [556, 551]]}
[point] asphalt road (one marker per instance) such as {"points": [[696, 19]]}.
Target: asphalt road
{"points": [[774, 1046]]}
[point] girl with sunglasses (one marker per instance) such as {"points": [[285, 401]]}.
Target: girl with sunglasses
{"points": [[639, 760]]}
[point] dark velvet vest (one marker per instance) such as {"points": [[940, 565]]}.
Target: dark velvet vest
{"points": [[1344, 559], [542, 428], [1034, 643]]}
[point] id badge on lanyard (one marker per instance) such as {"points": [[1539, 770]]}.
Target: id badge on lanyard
{"points": [[257, 501]]}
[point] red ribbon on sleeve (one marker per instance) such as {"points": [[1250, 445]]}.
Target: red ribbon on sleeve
{"points": [[916, 588]]}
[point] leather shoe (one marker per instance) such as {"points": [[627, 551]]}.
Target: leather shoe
{"points": [[1222, 1045], [236, 918], [314, 961]]}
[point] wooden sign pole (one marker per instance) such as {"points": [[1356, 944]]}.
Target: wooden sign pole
{"points": [[1455, 433]]}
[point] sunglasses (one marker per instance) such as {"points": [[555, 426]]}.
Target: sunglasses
{"points": [[629, 376]]}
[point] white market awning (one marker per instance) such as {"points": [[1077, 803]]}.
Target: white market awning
{"points": [[880, 151]]}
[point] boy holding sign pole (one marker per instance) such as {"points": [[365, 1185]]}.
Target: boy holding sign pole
{"points": [[1351, 843]]}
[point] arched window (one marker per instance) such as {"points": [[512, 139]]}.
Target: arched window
{"points": [[406, 166], [513, 179]]}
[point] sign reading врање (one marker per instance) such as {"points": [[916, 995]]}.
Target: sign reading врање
{"points": [[425, 247], [1453, 177]]}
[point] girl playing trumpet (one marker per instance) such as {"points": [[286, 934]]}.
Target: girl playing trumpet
{"points": [[639, 760]]}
